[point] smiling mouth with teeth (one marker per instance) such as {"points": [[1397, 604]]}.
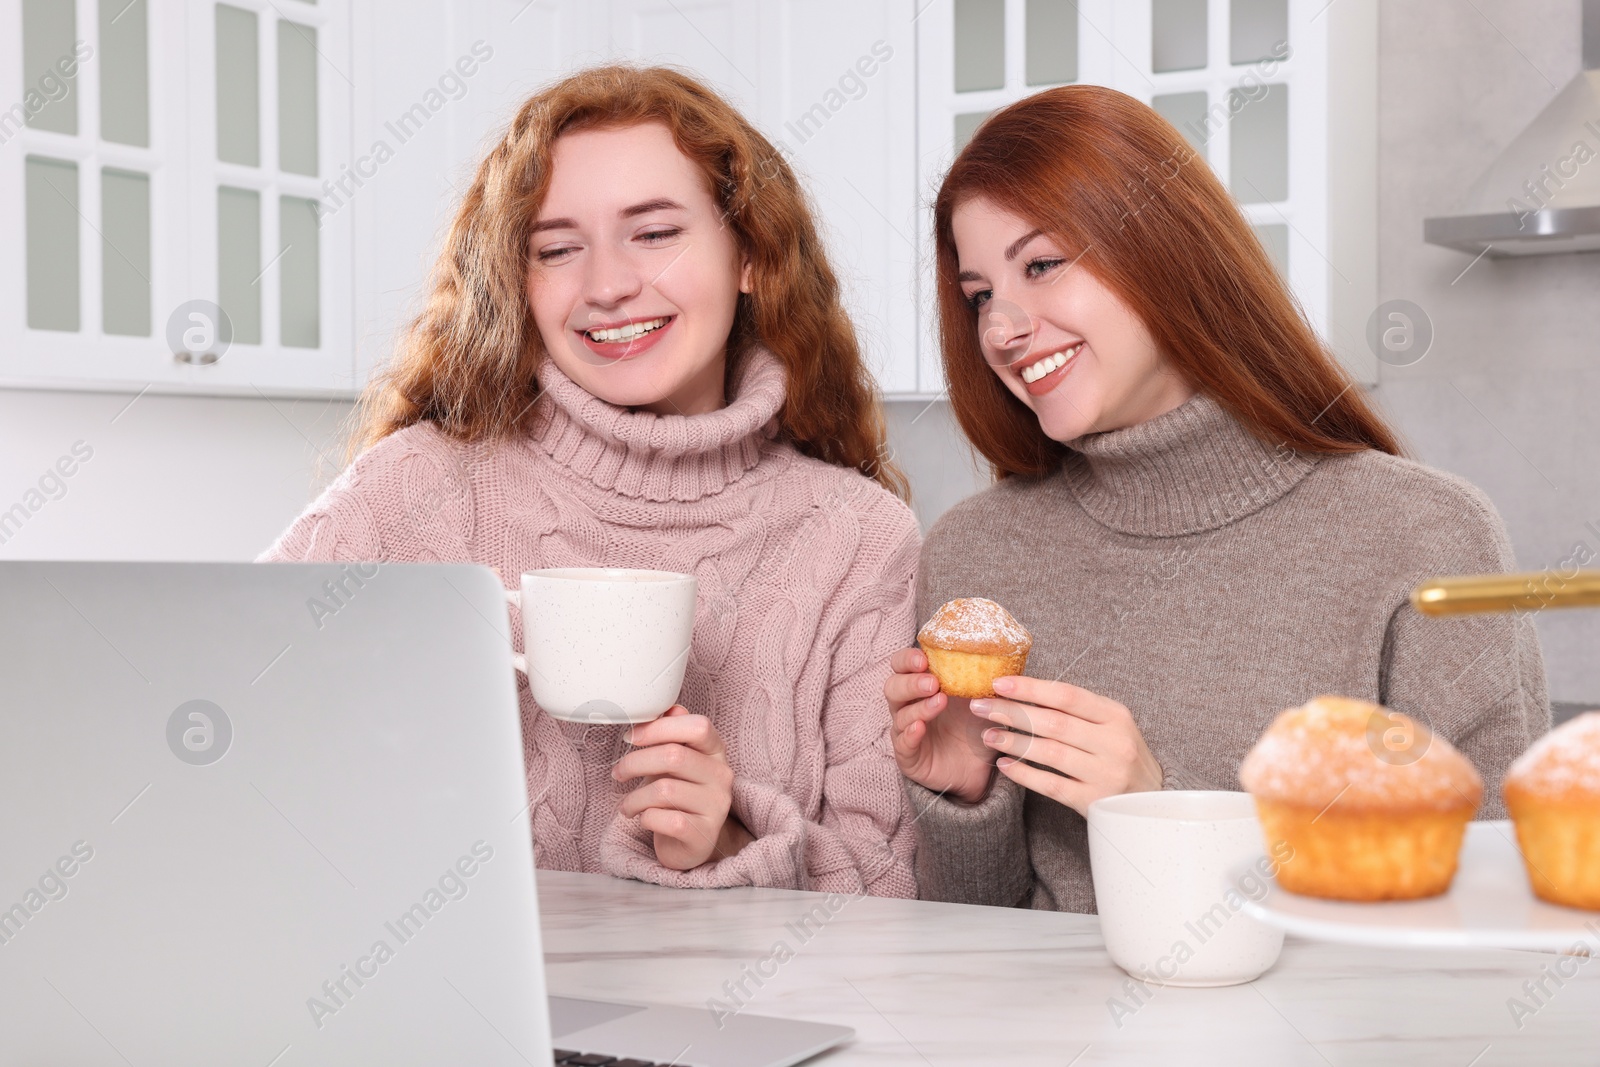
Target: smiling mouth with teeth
{"points": [[623, 334], [1034, 371]]}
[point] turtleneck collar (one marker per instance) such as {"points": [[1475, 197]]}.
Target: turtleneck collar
{"points": [[662, 457], [1194, 468]]}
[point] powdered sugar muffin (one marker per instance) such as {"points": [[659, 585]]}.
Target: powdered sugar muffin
{"points": [[970, 642], [1364, 821], [1553, 794]]}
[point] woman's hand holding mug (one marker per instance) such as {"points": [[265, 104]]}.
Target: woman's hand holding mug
{"points": [[610, 645], [687, 790]]}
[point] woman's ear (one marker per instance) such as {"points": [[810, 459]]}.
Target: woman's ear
{"points": [[745, 282]]}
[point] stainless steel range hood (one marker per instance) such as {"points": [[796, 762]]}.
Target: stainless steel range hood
{"points": [[1542, 195]]}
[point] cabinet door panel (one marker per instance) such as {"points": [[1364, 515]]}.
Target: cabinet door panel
{"points": [[717, 40], [436, 85], [839, 85]]}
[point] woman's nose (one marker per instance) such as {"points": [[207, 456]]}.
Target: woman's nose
{"points": [[611, 278], [1005, 331]]}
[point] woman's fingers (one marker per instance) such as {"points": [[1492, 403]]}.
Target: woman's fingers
{"points": [[675, 794], [909, 724], [689, 829], [1074, 795], [1061, 696], [918, 710], [1106, 758], [1052, 754], [675, 761], [908, 661], [1060, 726], [678, 726], [905, 688], [687, 788]]}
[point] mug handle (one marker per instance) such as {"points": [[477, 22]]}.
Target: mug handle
{"points": [[514, 600]]}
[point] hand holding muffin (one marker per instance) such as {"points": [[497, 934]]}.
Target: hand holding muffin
{"points": [[968, 642], [1066, 743], [1056, 739], [937, 744]]}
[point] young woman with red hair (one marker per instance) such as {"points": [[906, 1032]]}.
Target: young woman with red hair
{"points": [[633, 354], [1199, 518]]}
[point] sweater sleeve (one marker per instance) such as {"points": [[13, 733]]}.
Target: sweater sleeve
{"points": [[972, 853], [859, 839], [405, 499], [967, 853], [335, 527], [1477, 680]]}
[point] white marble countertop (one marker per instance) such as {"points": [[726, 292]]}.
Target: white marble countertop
{"points": [[935, 984]]}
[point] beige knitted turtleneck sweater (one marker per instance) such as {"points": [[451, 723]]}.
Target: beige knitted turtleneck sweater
{"points": [[1208, 581]]}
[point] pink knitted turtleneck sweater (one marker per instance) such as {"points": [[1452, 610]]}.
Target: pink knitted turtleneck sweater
{"points": [[805, 576]]}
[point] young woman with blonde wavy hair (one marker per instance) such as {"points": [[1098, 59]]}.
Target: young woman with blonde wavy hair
{"points": [[633, 354]]}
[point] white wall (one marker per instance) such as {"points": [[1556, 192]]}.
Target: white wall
{"points": [[1507, 395], [929, 448], [169, 478]]}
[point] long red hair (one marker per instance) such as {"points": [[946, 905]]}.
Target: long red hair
{"points": [[1113, 181], [469, 361]]}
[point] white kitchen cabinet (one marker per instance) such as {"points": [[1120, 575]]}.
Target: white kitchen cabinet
{"points": [[404, 96], [154, 175]]}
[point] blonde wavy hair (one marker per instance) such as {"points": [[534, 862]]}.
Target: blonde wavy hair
{"points": [[469, 361]]}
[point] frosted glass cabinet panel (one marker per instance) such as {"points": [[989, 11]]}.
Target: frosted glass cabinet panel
{"points": [[1186, 111], [1274, 236], [52, 240], [49, 29], [980, 45], [297, 98], [1256, 28], [125, 72], [1052, 31], [239, 261], [966, 125], [1178, 35], [238, 99], [125, 252], [1259, 161], [299, 323]]}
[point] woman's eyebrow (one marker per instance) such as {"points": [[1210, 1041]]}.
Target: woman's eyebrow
{"points": [[660, 203], [1016, 246], [554, 224]]}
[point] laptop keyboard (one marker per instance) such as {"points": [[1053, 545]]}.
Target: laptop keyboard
{"points": [[568, 1058]]}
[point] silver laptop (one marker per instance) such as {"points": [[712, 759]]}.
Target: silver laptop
{"points": [[276, 815]]}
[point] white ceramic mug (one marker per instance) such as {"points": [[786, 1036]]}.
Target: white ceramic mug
{"points": [[1170, 911], [603, 644]]}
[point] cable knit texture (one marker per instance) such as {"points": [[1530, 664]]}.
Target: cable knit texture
{"points": [[805, 574], [1208, 581]]}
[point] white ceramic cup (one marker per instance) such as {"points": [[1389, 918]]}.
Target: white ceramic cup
{"points": [[603, 644], [1164, 865]]}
